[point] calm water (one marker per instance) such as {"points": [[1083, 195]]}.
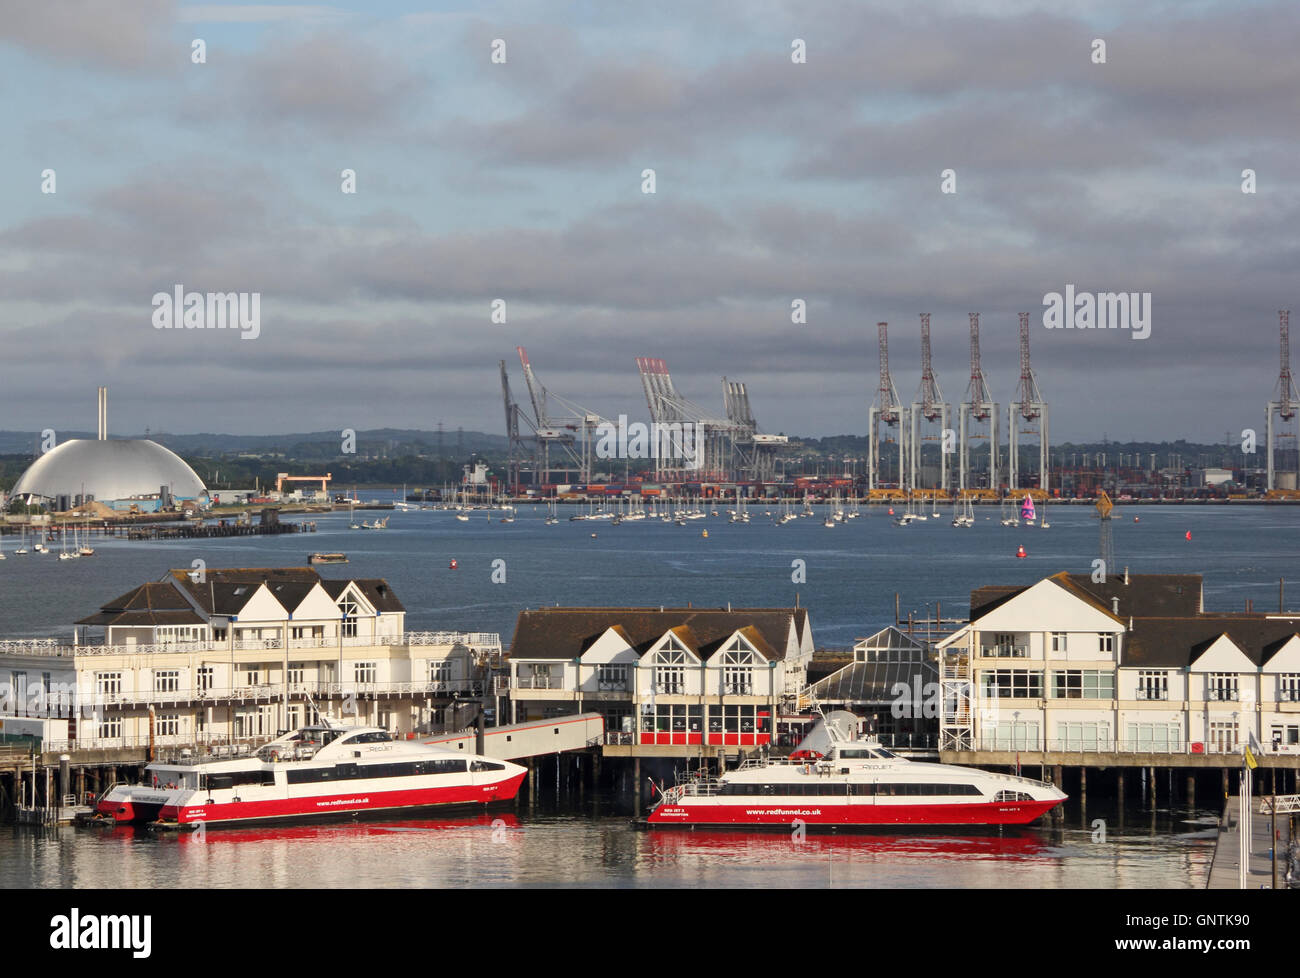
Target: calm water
{"points": [[852, 573], [588, 843]]}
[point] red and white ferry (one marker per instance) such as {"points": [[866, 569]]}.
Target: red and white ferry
{"points": [[323, 770], [851, 782]]}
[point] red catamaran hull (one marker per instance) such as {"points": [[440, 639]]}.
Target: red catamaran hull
{"points": [[981, 813], [281, 809]]}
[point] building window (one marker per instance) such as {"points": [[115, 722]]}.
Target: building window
{"points": [[252, 675], [206, 678], [1083, 684], [670, 679], [1058, 641], [1286, 735], [1152, 737], [1153, 685], [168, 725], [167, 681], [108, 683], [1083, 736], [1013, 684], [611, 678], [218, 634], [297, 673], [1223, 736], [1105, 642], [364, 672], [738, 672], [348, 625], [110, 728], [439, 674], [1288, 687], [1221, 686], [1005, 647]]}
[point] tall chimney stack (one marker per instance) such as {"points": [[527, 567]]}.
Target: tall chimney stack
{"points": [[103, 414]]}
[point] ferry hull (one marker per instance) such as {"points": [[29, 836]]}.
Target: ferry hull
{"points": [[182, 812], [978, 813]]}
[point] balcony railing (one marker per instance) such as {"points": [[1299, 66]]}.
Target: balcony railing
{"points": [[612, 685], [537, 682], [489, 642], [1150, 693], [1222, 695], [266, 692], [1004, 651]]}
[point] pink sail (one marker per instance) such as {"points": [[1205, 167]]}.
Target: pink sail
{"points": [[1027, 509]]}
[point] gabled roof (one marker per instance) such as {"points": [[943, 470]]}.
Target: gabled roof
{"points": [[226, 591], [154, 603], [376, 590], [761, 645], [566, 633], [1175, 643], [1144, 596], [872, 682]]}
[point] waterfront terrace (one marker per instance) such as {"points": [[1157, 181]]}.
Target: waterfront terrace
{"points": [[239, 655], [667, 680]]}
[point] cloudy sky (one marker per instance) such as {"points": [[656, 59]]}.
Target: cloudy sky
{"points": [[522, 181]]}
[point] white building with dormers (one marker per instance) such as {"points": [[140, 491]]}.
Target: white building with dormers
{"points": [[239, 655], [662, 677], [1134, 665]]}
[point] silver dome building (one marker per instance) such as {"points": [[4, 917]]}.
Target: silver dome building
{"points": [[108, 470]]}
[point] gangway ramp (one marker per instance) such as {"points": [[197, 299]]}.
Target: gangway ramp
{"points": [[531, 738]]}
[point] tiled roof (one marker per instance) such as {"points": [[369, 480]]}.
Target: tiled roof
{"points": [[1175, 643], [566, 633], [154, 603]]}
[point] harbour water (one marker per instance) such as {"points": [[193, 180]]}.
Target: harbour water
{"points": [[591, 843], [852, 573], [849, 573]]}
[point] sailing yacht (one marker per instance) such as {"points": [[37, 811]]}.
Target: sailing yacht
{"points": [[1042, 516], [84, 549], [63, 544], [1027, 510], [1008, 517], [22, 544]]}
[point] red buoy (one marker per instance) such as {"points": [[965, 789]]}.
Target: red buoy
{"points": [[891, 510], [452, 565], [1189, 534], [1021, 552]]}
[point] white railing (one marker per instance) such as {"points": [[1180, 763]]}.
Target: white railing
{"points": [[87, 702], [485, 641], [228, 746], [1106, 746]]}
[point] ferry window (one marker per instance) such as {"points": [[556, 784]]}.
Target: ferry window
{"points": [[373, 737], [881, 752], [486, 766]]}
